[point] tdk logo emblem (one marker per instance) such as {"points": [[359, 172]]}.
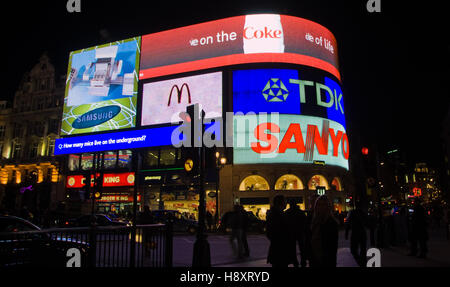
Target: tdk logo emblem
{"points": [[95, 117], [275, 91]]}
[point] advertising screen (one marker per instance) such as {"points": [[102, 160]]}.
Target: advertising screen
{"points": [[116, 141], [239, 40], [304, 91], [163, 101], [101, 88], [277, 138]]}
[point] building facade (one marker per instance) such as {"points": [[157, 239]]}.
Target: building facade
{"points": [[300, 150], [30, 175]]}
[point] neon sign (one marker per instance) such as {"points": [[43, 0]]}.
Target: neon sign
{"points": [[239, 40], [304, 91], [109, 180], [289, 139]]}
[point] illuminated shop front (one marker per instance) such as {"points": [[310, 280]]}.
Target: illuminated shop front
{"points": [[117, 187], [256, 192], [165, 184]]}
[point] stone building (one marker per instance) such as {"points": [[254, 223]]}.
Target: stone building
{"points": [[29, 173]]}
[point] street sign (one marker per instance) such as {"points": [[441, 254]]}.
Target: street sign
{"points": [[320, 190]]}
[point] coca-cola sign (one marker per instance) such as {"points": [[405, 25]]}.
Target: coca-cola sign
{"points": [[239, 40]]}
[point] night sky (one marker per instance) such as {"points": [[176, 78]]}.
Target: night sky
{"points": [[394, 64]]}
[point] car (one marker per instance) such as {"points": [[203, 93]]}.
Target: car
{"points": [[99, 220], [180, 224], [23, 243]]}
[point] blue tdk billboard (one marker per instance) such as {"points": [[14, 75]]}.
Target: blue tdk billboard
{"points": [[288, 91]]}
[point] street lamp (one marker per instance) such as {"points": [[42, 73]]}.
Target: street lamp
{"points": [[220, 162]]}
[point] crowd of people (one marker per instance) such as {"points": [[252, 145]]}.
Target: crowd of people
{"points": [[316, 233]]}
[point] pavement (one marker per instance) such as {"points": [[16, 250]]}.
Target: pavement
{"points": [[393, 256], [222, 254], [438, 253], [344, 259]]}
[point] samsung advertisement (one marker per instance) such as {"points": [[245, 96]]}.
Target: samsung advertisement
{"points": [[101, 88]]}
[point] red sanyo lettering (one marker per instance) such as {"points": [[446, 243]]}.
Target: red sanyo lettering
{"points": [[252, 33], [335, 139], [261, 135], [294, 132], [298, 144]]}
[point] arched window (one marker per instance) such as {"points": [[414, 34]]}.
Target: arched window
{"points": [[254, 182], [337, 184], [288, 182], [318, 180]]}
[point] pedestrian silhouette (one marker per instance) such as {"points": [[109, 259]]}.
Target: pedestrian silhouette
{"points": [[401, 226], [419, 232], [308, 223], [209, 219], [296, 221], [277, 232], [237, 223], [324, 234], [244, 231], [357, 222]]}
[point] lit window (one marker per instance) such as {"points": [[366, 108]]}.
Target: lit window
{"points": [[288, 182], [74, 162], [168, 157], [110, 158], [337, 184], [87, 161], [254, 182], [124, 158], [317, 180], [151, 158]]}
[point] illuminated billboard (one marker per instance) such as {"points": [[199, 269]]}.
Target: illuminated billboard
{"points": [[296, 139], [162, 101], [101, 88], [116, 141], [239, 40], [109, 180], [303, 91]]}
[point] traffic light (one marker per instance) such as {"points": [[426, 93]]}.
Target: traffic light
{"points": [[190, 160], [193, 141], [98, 186], [196, 125], [87, 185], [365, 151]]}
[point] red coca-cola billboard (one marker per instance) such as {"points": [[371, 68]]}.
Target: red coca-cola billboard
{"points": [[239, 40]]}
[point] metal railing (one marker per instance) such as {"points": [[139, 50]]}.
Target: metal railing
{"points": [[109, 246]]}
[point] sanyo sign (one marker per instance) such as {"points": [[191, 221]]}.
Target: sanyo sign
{"points": [[278, 138]]}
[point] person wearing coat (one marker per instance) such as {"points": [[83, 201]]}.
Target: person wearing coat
{"points": [[277, 232], [324, 235]]}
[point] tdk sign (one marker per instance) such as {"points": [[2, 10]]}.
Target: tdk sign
{"points": [[287, 91], [96, 117]]}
